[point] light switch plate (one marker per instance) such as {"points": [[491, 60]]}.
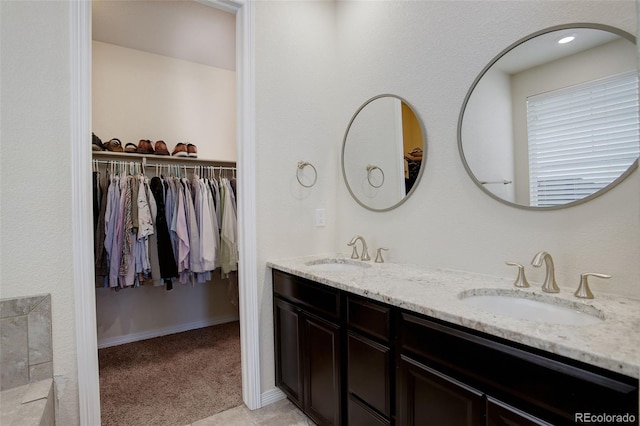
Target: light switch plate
{"points": [[320, 217]]}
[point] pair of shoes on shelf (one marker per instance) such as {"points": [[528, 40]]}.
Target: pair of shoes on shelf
{"points": [[161, 148], [185, 150], [145, 147], [114, 145], [96, 143]]}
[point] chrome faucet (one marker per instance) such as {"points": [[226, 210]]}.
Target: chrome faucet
{"points": [[365, 252], [549, 285]]}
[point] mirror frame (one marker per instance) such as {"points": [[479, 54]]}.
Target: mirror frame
{"points": [[590, 197], [424, 150]]}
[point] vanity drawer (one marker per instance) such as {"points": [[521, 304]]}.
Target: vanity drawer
{"points": [[369, 317], [315, 297]]}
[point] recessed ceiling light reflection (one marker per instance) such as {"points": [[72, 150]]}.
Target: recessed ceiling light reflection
{"points": [[567, 39]]}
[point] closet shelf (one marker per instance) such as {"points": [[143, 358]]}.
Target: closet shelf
{"points": [[162, 159]]}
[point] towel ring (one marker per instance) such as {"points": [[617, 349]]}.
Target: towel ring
{"points": [[301, 166], [370, 169]]}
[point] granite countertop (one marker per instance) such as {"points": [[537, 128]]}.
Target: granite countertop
{"points": [[613, 344]]}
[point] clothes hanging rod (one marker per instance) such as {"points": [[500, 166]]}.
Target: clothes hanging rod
{"points": [[175, 164], [149, 160]]}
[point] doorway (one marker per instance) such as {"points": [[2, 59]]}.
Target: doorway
{"points": [[83, 270]]}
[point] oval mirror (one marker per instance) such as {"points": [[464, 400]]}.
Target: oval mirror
{"points": [[552, 121], [383, 153]]}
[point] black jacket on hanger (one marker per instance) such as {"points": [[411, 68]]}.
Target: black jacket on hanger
{"points": [[168, 267]]}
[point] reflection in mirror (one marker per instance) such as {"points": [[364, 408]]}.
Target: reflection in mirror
{"points": [[383, 153], [549, 124]]}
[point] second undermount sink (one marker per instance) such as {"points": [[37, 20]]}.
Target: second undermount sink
{"points": [[336, 265], [532, 307]]}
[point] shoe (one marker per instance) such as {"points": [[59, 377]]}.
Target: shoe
{"points": [[131, 148], [161, 148], [145, 147], [180, 150], [114, 145], [192, 151], [96, 143]]}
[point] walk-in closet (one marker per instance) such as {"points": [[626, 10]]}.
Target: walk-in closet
{"points": [[164, 78]]}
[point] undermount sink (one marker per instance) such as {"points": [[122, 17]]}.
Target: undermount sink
{"points": [[336, 265], [532, 307]]}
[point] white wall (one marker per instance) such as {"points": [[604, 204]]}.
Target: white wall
{"points": [[296, 97], [487, 134], [135, 314], [417, 53], [429, 53], [139, 95], [35, 166]]}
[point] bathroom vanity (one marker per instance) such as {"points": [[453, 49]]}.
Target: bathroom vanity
{"points": [[393, 344]]}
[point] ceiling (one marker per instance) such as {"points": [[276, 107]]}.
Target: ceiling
{"points": [[181, 29], [545, 48]]}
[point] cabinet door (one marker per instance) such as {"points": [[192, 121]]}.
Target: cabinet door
{"points": [[289, 376], [369, 373], [501, 414], [362, 415], [322, 363], [427, 397]]}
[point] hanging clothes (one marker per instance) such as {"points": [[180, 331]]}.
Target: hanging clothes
{"points": [[229, 231], [154, 259], [165, 228], [100, 253], [166, 258]]}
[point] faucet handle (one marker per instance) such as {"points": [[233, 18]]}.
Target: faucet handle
{"points": [[379, 258], [521, 280], [354, 253], [583, 291]]}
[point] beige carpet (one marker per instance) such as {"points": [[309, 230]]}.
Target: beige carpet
{"points": [[173, 380]]}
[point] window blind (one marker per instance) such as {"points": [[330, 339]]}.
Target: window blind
{"points": [[581, 138]]}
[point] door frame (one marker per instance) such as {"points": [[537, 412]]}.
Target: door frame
{"points": [[82, 242]]}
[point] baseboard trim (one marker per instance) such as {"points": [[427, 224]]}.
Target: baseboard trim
{"points": [[136, 337], [271, 396]]}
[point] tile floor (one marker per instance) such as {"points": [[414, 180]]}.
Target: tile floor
{"points": [[281, 413]]}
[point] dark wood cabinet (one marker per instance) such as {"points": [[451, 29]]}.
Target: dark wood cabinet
{"points": [[501, 414], [308, 347], [346, 359], [321, 359], [543, 387], [289, 376], [427, 397], [360, 414], [370, 373]]}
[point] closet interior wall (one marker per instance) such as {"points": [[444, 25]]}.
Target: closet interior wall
{"points": [[138, 95]]}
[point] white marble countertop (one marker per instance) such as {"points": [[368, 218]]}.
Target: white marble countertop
{"points": [[613, 344]]}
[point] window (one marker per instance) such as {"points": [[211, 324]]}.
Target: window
{"points": [[581, 138]]}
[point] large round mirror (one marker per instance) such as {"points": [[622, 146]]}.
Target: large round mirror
{"points": [[383, 153], [552, 121]]}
